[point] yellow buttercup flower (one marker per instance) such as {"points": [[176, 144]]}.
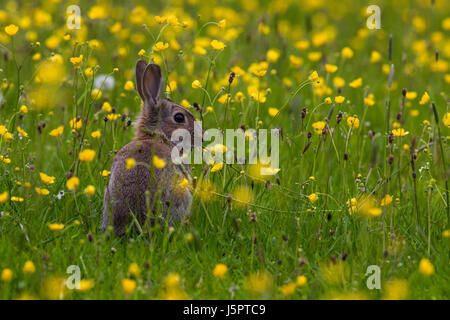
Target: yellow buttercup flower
{"points": [[318, 126], [87, 155], [106, 106], [160, 46], [160, 20], [365, 205], [273, 55], [172, 280], [313, 197], [130, 163], [97, 12], [134, 269], [113, 116], [4, 196], [96, 134], [11, 29], [273, 112], [73, 183], [446, 119], [375, 57], [387, 200], [128, 285], [17, 199], [89, 71], [426, 267], [222, 24], [184, 183], [302, 44], [411, 95], [239, 96], [46, 179], [86, 285], [400, 132], [57, 132], [425, 98], [141, 52], [353, 122], [76, 61], [259, 69], [374, 212], [217, 45], [171, 86], [8, 136], [158, 162], [7, 275], [338, 82], [96, 94], [301, 281], [217, 167], [55, 226], [295, 61], [356, 83], [224, 99], [217, 148], [339, 99], [369, 100], [29, 267], [330, 68], [199, 50], [220, 270], [22, 132], [172, 20], [185, 104], [314, 56], [196, 84], [288, 289], [76, 123], [314, 76], [347, 53], [105, 173], [42, 192], [23, 109], [129, 86], [89, 190], [263, 28]]}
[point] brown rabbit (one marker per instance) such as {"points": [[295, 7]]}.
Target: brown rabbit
{"points": [[127, 189]]}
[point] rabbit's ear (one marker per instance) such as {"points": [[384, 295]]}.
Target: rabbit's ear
{"points": [[151, 83], [140, 68]]}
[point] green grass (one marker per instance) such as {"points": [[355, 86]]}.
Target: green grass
{"points": [[291, 236]]}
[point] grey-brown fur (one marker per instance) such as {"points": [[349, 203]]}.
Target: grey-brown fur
{"points": [[127, 189]]}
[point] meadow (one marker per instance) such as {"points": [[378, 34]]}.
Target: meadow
{"points": [[363, 117]]}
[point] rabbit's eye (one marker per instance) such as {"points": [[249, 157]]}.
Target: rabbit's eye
{"points": [[179, 117]]}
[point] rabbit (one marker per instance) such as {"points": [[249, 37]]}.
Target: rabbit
{"points": [[126, 191]]}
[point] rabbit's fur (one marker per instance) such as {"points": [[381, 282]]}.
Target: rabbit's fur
{"points": [[127, 189]]}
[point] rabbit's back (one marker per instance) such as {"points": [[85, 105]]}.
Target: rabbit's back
{"points": [[126, 191]]}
